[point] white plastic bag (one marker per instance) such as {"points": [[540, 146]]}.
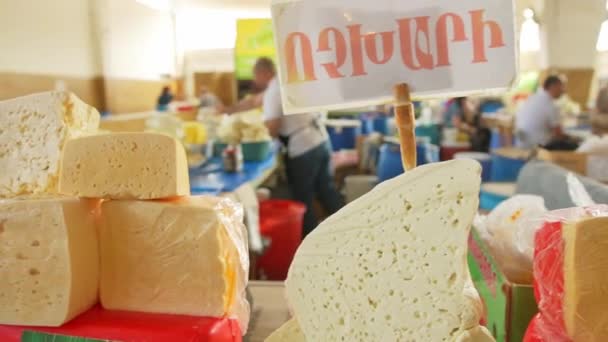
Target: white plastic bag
{"points": [[509, 232]]}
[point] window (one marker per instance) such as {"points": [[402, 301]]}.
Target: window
{"points": [[529, 40]]}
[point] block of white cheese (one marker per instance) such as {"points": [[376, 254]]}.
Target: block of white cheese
{"points": [[392, 265], [186, 257], [125, 166], [290, 331], [585, 279], [33, 132], [49, 260]]}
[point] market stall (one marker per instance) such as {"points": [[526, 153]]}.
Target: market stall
{"points": [[164, 225]]}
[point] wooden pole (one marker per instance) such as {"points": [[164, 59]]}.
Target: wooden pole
{"points": [[406, 123]]}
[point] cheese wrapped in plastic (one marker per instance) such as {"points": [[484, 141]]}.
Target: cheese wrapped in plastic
{"points": [[184, 257], [33, 132], [391, 266], [570, 270]]}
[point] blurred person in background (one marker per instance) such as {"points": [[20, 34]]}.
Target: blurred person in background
{"points": [[208, 99], [452, 109], [467, 119], [598, 143], [308, 156], [165, 98], [538, 120], [599, 118]]}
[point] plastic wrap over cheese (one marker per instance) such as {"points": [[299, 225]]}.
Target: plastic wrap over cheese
{"points": [[570, 270], [183, 257]]}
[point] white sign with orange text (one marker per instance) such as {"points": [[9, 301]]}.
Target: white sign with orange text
{"points": [[336, 54]]}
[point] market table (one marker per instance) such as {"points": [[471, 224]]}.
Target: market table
{"points": [[269, 309], [212, 179]]}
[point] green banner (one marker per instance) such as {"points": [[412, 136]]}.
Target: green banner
{"points": [[32, 336], [254, 40]]}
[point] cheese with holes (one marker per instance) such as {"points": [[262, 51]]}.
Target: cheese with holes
{"points": [[392, 265], [585, 278], [49, 260], [186, 257], [125, 166], [33, 132]]}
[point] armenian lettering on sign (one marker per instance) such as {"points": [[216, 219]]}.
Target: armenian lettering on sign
{"points": [[342, 53]]}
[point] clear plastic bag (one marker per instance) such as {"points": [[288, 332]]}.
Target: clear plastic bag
{"points": [[549, 325], [509, 232]]}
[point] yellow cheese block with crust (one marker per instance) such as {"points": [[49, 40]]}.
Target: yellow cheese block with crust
{"points": [[49, 260], [185, 257], [586, 280], [125, 166]]}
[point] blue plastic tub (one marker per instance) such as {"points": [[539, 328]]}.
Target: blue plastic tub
{"points": [[367, 125], [389, 162], [343, 133], [495, 140], [430, 131], [489, 201], [485, 159], [380, 124], [505, 169], [374, 123]]}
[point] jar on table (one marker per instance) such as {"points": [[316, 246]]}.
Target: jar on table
{"points": [[233, 158]]}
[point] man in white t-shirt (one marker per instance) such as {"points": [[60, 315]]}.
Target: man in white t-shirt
{"points": [[538, 120], [308, 160]]}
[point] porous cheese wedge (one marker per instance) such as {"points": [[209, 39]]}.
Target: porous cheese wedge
{"points": [[290, 331], [33, 132], [585, 279], [125, 166], [185, 257], [49, 261], [392, 266]]}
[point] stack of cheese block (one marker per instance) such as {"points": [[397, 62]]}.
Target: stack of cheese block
{"points": [[391, 266], [85, 217]]}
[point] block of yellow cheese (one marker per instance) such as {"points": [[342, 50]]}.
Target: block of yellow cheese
{"points": [[586, 279], [184, 257], [125, 166], [33, 132], [49, 260]]}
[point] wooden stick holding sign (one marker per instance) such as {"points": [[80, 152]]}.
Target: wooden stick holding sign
{"points": [[406, 123]]}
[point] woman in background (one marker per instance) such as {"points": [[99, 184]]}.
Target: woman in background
{"points": [[165, 98], [468, 120]]}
